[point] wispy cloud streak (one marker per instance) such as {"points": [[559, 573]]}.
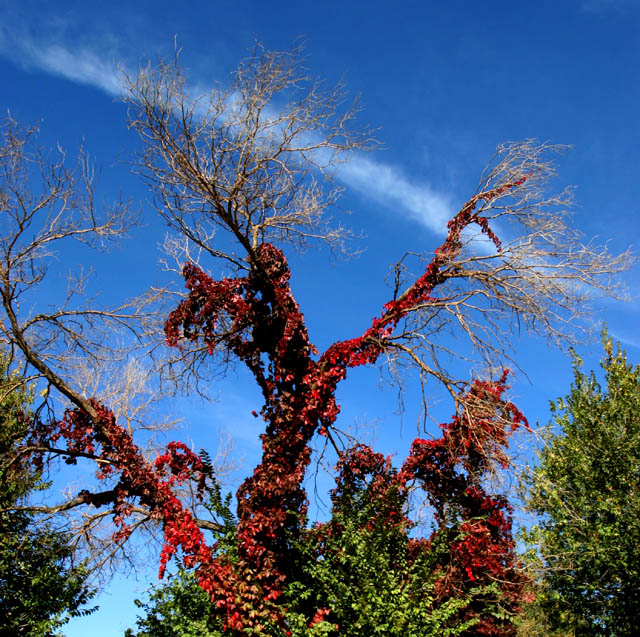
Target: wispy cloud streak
{"points": [[602, 6], [625, 338], [83, 66], [96, 66], [382, 183], [389, 186]]}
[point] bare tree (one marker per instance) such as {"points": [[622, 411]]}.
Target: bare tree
{"points": [[539, 278], [247, 161], [45, 206], [239, 167], [74, 350]]}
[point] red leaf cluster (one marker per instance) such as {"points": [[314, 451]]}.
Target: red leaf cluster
{"points": [[101, 438], [451, 470]]}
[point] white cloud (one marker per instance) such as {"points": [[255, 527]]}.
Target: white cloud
{"points": [[391, 187], [625, 338], [80, 66], [99, 68], [94, 66]]}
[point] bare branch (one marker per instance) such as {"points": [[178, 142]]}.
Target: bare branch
{"points": [[246, 160], [540, 278], [44, 206]]}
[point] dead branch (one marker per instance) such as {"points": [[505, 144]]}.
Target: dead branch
{"points": [[242, 166], [76, 349], [248, 160], [526, 270]]}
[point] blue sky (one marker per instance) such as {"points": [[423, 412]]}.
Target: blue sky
{"points": [[443, 83]]}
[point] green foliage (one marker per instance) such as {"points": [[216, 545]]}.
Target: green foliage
{"points": [[39, 590], [220, 509], [356, 575], [586, 489], [178, 608], [365, 574]]}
